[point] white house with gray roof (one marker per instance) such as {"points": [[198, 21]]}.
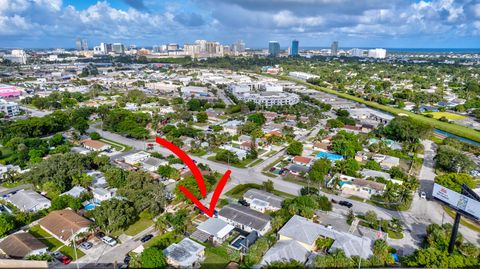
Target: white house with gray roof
{"points": [[245, 218], [215, 229], [305, 233], [286, 251], [28, 201], [263, 201], [185, 254]]}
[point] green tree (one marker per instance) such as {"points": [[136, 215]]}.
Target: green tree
{"points": [[454, 181], [95, 136], [268, 185], [257, 118], [295, 148], [153, 257], [202, 117], [372, 165], [336, 259], [319, 170], [226, 156], [381, 250], [452, 160], [406, 129], [114, 214], [346, 144], [7, 223], [347, 167]]}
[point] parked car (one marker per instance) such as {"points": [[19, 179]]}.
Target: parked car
{"points": [[127, 259], [109, 241], [345, 203], [99, 235], [60, 257], [423, 195], [243, 202], [86, 245], [147, 237]]}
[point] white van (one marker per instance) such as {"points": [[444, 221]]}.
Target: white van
{"points": [[109, 241]]}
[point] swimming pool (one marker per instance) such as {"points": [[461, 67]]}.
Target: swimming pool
{"points": [[237, 242], [330, 156], [89, 207]]}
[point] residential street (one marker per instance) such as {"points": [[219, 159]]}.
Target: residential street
{"points": [[421, 214]]}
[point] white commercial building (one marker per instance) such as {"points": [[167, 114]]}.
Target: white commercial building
{"points": [[377, 53], [269, 99], [302, 75], [9, 108]]}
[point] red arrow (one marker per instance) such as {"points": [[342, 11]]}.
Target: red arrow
{"points": [[198, 177]]}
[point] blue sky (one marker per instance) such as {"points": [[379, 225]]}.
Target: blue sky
{"points": [[354, 23]]}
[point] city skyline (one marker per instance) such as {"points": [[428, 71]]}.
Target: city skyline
{"points": [[396, 24]]}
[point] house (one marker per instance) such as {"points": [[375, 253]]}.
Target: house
{"points": [[356, 186], [21, 245], [95, 145], [11, 263], [296, 169], [389, 162], [213, 229], [306, 233], [245, 218], [301, 160], [185, 254], [65, 224], [262, 201], [136, 158], [28, 201], [102, 194], [99, 180], [231, 127], [244, 138], [367, 173], [241, 154], [246, 145], [361, 156], [285, 251], [75, 191], [320, 146], [152, 164], [6, 168]]}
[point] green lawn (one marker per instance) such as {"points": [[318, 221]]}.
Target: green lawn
{"points": [[238, 191], [445, 126], [138, 227], [242, 164], [448, 115], [268, 174], [213, 260], [70, 252], [163, 240], [257, 161], [116, 145], [51, 242]]}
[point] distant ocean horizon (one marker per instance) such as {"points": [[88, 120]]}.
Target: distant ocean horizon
{"points": [[410, 50]]}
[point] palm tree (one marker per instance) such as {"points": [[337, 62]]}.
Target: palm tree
{"points": [[161, 224]]}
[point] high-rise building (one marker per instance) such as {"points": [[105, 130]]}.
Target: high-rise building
{"points": [[118, 48], [273, 48], [334, 48], [294, 48], [239, 46], [17, 56], [78, 44], [172, 47], [84, 44]]}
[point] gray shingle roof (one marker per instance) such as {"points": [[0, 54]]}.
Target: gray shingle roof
{"points": [[284, 251], [305, 231], [245, 216], [271, 199], [27, 199]]}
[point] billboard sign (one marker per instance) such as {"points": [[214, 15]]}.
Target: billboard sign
{"points": [[457, 201]]}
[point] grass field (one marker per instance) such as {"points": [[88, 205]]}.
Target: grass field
{"points": [[51, 242], [448, 115], [464, 221], [444, 126], [238, 191], [70, 252], [138, 226]]}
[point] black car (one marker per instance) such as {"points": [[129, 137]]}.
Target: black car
{"points": [[99, 234], [146, 238], [243, 202], [345, 203], [127, 259]]}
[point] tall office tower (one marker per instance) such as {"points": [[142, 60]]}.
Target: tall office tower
{"points": [[239, 46], [294, 48], [84, 44], [172, 47], [273, 48], [78, 44], [118, 48], [334, 48], [356, 52]]}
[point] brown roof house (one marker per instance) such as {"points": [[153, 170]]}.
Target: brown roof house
{"points": [[21, 245], [95, 145], [65, 224]]}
